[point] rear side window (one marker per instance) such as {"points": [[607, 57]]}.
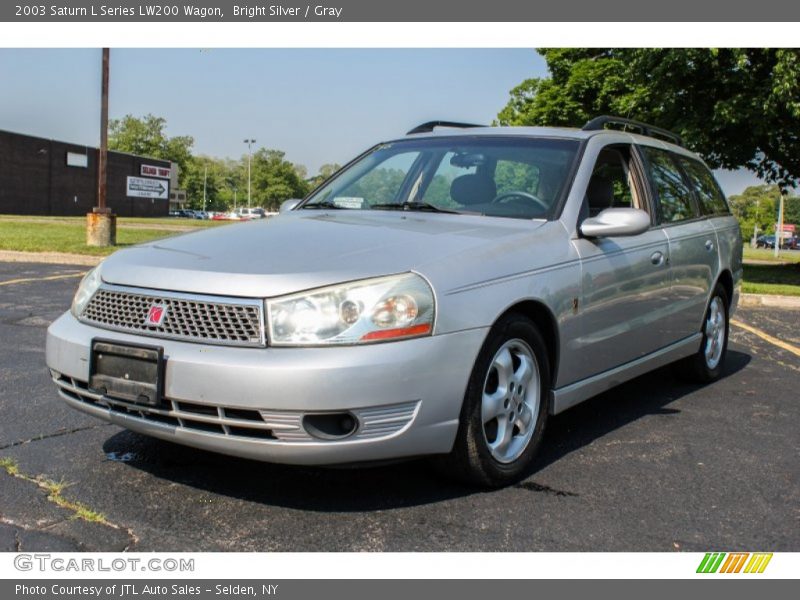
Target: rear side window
{"points": [[710, 197], [673, 195]]}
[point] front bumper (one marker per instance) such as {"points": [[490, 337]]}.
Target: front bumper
{"points": [[250, 402]]}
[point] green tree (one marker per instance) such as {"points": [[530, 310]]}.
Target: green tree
{"points": [[274, 179], [213, 173], [756, 207], [146, 137], [736, 107], [325, 171], [791, 211]]}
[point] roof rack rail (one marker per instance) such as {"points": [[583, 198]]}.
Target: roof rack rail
{"points": [[431, 125], [599, 123]]}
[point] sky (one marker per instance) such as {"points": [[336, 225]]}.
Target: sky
{"points": [[317, 105]]}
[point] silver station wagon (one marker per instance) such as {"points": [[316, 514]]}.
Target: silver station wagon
{"points": [[442, 294]]}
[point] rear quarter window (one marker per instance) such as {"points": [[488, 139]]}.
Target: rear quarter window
{"points": [[673, 194], [709, 195]]}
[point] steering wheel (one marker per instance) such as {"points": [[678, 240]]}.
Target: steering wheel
{"points": [[522, 195]]}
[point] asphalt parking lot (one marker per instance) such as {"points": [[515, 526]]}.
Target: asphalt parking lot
{"points": [[654, 465]]}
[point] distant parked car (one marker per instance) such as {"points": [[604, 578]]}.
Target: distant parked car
{"points": [[247, 214], [765, 241], [768, 241]]}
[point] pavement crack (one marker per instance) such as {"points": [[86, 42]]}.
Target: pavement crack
{"points": [[58, 433], [532, 486], [17, 541], [54, 493]]}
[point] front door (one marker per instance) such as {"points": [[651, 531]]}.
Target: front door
{"points": [[625, 280]]}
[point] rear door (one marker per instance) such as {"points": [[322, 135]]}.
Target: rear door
{"points": [[694, 257], [713, 206]]}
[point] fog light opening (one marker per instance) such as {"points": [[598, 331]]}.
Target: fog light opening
{"points": [[330, 426]]}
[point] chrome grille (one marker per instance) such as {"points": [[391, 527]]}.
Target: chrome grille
{"points": [[209, 319]]}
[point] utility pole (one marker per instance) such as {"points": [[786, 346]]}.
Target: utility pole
{"points": [[101, 225], [205, 181], [249, 160], [779, 227]]}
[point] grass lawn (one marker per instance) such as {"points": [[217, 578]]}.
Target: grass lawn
{"points": [[67, 237], [178, 223], [772, 279], [782, 277], [769, 255]]}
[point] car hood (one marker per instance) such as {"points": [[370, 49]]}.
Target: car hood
{"points": [[306, 249]]}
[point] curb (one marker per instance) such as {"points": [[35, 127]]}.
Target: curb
{"points": [[769, 300], [53, 258]]}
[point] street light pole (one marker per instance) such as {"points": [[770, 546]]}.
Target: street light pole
{"points": [[755, 225], [205, 181], [249, 160]]}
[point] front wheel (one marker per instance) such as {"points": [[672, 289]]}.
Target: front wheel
{"points": [[706, 365], [505, 406]]}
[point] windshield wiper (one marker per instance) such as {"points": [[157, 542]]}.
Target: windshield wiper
{"points": [[323, 204], [420, 206]]}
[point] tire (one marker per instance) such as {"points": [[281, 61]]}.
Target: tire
{"points": [[505, 407], [706, 365]]}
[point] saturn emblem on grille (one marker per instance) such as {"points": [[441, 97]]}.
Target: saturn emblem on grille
{"points": [[156, 315]]}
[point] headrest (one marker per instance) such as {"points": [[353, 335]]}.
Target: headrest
{"points": [[600, 193], [473, 189]]}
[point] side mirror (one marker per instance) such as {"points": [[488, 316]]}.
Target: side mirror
{"points": [[616, 222], [288, 205]]}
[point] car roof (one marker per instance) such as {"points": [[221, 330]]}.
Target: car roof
{"points": [[552, 132]]}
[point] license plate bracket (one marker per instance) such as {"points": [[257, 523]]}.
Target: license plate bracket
{"points": [[130, 372]]}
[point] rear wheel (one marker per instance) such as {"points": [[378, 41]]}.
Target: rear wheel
{"points": [[505, 407], [706, 365]]}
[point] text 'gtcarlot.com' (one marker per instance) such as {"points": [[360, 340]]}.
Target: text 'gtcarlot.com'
{"points": [[46, 562]]}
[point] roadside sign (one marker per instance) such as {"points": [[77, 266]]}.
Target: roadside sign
{"points": [[154, 171], [141, 187], [75, 159]]}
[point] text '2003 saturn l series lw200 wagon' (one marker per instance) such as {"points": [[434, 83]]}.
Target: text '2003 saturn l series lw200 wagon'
{"points": [[440, 295]]}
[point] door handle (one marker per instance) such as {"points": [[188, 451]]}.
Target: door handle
{"points": [[709, 245], [657, 258]]}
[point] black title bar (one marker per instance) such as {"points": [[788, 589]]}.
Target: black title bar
{"points": [[403, 11]]}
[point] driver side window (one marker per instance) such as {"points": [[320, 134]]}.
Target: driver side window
{"points": [[611, 184], [438, 191]]}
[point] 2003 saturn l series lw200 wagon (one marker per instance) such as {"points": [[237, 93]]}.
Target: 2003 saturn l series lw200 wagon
{"points": [[440, 295]]}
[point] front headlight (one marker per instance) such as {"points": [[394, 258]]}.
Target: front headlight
{"points": [[88, 286], [371, 310]]}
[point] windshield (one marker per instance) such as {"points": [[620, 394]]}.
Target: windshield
{"points": [[497, 177]]}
